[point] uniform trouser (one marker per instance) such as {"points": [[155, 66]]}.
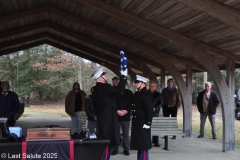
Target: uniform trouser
{"points": [[11, 121], [142, 155], [75, 126], [125, 131], [92, 125], [167, 111], [211, 118], [155, 138], [107, 153]]}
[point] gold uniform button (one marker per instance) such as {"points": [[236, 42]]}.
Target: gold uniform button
{"points": [[148, 122], [132, 104], [124, 78], [134, 111], [135, 116]]}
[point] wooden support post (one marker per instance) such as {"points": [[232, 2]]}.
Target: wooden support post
{"points": [[228, 113], [187, 118]]}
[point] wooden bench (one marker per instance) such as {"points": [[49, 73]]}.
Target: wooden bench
{"points": [[82, 118], [163, 126]]}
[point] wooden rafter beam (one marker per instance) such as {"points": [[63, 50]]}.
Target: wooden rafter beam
{"points": [[22, 47], [79, 47], [10, 44], [26, 14], [49, 38], [155, 28], [78, 36], [83, 55], [70, 33], [123, 39], [224, 13]]}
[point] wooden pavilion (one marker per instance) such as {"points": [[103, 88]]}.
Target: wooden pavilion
{"points": [[159, 37]]}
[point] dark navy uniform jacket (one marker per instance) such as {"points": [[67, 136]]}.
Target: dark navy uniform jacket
{"points": [[142, 113]]}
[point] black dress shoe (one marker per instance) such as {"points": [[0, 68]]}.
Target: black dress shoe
{"points": [[82, 132], [200, 136], [114, 153], [126, 153], [214, 137], [75, 134]]}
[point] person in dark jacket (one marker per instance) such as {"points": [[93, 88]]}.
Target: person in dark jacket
{"points": [[171, 100], [207, 102], [75, 102], [9, 104], [142, 113], [157, 101], [123, 101], [91, 115]]}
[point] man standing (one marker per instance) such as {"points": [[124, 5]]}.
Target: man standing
{"points": [[75, 102], [157, 101], [123, 100], [207, 102], [9, 103], [171, 100]]}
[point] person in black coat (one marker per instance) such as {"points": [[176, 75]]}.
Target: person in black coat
{"points": [[142, 113], [91, 115], [105, 108], [157, 101], [207, 102], [123, 101]]}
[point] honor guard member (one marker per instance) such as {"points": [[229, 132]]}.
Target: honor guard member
{"points": [[105, 106], [142, 113]]}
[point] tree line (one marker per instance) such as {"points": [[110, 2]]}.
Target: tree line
{"points": [[46, 72]]}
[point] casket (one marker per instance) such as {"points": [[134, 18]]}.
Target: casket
{"points": [[47, 134]]}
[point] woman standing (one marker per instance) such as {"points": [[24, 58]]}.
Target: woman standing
{"points": [[142, 113]]}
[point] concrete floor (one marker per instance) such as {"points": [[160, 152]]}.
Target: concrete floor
{"points": [[181, 148]]}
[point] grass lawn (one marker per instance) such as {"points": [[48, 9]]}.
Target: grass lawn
{"points": [[52, 108]]}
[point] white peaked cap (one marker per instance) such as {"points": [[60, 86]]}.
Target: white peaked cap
{"points": [[98, 74], [141, 79]]}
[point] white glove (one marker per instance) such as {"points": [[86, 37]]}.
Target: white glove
{"points": [[146, 126], [125, 73], [123, 64]]}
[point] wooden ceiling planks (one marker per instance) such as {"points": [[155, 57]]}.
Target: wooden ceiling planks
{"points": [[179, 15], [142, 6], [169, 13], [165, 6]]}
